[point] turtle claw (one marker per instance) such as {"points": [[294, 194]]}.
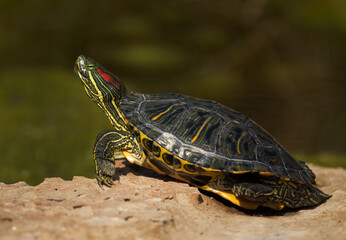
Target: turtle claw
{"points": [[104, 180], [108, 181], [104, 170], [99, 183]]}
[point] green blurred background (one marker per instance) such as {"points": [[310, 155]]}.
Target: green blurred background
{"points": [[280, 62]]}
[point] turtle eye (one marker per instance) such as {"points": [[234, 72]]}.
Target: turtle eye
{"points": [[90, 67], [109, 78]]}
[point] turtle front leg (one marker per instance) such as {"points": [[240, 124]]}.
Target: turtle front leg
{"points": [[108, 148]]}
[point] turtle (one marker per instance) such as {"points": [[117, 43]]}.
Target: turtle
{"points": [[201, 142]]}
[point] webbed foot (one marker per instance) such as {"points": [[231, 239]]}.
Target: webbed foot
{"points": [[108, 148], [104, 180], [105, 170]]}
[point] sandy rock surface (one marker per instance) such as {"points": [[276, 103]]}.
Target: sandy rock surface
{"points": [[144, 205]]}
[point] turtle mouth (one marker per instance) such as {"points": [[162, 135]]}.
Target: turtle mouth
{"points": [[82, 71], [80, 74], [80, 67]]}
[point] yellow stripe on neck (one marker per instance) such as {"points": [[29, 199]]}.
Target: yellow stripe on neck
{"points": [[109, 114]]}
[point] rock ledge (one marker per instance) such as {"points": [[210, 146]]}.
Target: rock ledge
{"points": [[143, 205]]}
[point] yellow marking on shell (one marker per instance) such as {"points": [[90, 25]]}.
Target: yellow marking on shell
{"points": [[155, 168], [269, 174], [240, 172], [273, 206], [266, 174], [143, 136], [199, 131], [239, 201], [238, 142], [159, 115], [212, 161], [234, 199], [208, 171], [183, 162]]}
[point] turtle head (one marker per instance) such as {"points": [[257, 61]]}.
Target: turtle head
{"points": [[100, 85]]}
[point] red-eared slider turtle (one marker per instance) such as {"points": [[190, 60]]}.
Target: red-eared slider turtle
{"points": [[197, 141]]}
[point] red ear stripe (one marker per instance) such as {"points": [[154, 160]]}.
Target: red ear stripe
{"points": [[109, 78]]}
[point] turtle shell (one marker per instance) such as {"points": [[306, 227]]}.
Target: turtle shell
{"points": [[211, 135]]}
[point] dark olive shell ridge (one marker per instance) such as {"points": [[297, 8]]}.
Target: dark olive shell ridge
{"points": [[210, 135]]}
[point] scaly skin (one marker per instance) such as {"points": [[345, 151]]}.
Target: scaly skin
{"points": [[106, 91], [240, 186]]}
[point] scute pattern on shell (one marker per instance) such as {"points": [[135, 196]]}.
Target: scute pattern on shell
{"points": [[210, 135]]}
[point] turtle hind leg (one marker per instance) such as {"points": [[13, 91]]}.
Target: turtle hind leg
{"points": [[291, 194], [243, 190], [278, 194], [295, 195], [237, 200], [253, 195], [268, 192]]}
